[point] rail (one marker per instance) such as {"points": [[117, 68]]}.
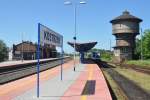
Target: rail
{"points": [[14, 72]]}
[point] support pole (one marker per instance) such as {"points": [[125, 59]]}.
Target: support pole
{"points": [[62, 57], [38, 62]]}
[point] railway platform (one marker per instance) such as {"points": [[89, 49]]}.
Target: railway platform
{"points": [[86, 83], [19, 62]]}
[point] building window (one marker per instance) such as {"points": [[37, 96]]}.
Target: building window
{"points": [[124, 50]]}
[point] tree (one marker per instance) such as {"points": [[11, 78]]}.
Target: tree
{"points": [[3, 51], [145, 45], [138, 49]]}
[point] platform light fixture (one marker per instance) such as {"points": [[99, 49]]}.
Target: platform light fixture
{"points": [[67, 3], [82, 2]]}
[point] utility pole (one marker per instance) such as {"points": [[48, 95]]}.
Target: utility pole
{"points": [[110, 44], [22, 48], [141, 44]]}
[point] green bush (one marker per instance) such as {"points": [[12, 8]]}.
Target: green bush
{"points": [[3, 51]]}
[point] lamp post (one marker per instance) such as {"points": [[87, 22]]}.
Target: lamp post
{"points": [[75, 25]]}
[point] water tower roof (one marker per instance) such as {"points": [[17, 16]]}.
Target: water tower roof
{"points": [[126, 16]]}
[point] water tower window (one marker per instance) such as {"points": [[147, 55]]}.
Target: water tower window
{"points": [[124, 50]]}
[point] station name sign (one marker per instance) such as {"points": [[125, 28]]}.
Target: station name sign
{"points": [[48, 36]]}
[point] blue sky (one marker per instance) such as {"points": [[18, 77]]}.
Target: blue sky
{"points": [[22, 16]]}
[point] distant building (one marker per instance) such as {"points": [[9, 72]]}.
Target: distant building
{"points": [[125, 28], [27, 50]]}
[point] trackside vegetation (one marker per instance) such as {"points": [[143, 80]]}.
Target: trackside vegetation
{"points": [[3, 51]]}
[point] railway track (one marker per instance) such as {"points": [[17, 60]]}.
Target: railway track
{"points": [[11, 74], [137, 68], [131, 90]]}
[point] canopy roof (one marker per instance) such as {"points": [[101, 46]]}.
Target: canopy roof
{"points": [[83, 47]]}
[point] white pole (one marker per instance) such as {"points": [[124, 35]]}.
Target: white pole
{"points": [[141, 44], [22, 49], [110, 44]]}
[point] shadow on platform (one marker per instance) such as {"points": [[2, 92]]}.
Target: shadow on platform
{"points": [[89, 88]]}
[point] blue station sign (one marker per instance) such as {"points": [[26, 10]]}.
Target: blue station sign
{"points": [[48, 36]]}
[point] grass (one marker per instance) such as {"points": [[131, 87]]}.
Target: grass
{"points": [[106, 59], [142, 63], [141, 79], [115, 88]]}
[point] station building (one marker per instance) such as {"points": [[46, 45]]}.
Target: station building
{"points": [[27, 50]]}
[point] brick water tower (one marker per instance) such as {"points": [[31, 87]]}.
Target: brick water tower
{"points": [[125, 28]]}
